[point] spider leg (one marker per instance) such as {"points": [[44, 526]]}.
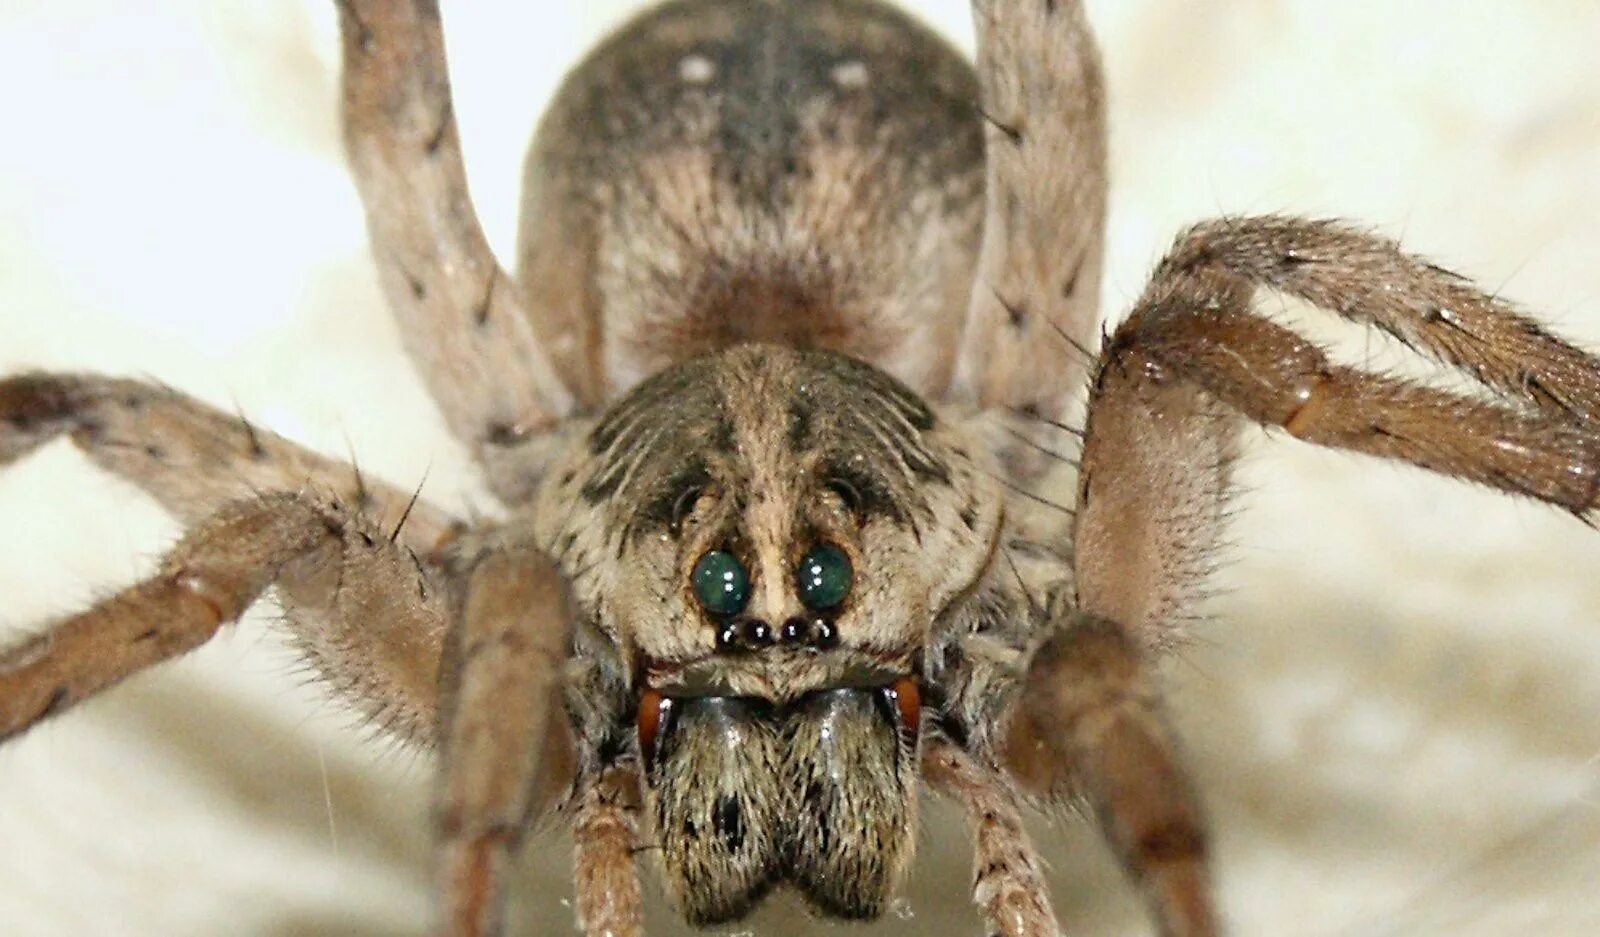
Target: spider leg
{"points": [[1008, 875], [214, 573], [1043, 105], [1370, 280], [504, 748], [1171, 385], [189, 456], [1193, 355], [606, 835], [1088, 723], [366, 605], [462, 318]]}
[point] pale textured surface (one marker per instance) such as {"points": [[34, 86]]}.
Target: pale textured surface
{"points": [[1394, 717]]}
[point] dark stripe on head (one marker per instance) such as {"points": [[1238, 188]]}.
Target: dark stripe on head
{"points": [[863, 431]]}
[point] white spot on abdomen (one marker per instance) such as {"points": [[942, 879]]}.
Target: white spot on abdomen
{"points": [[850, 75], [696, 69]]}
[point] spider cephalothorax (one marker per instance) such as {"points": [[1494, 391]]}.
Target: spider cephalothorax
{"points": [[767, 540], [762, 455]]}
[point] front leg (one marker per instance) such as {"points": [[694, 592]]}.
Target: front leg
{"points": [[505, 748], [1087, 723], [366, 607], [1194, 359], [1175, 380], [216, 572], [462, 318]]}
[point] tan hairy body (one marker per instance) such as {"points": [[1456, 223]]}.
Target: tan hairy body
{"points": [[775, 538]]}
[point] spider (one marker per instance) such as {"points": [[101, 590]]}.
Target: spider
{"points": [[941, 726]]}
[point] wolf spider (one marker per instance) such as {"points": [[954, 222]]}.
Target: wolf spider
{"points": [[797, 290]]}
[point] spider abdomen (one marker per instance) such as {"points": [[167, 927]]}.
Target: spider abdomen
{"points": [[721, 171]]}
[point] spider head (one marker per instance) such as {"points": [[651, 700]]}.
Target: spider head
{"points": [[766, 538]]}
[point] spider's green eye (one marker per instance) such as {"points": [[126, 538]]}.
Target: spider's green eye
{"points": [[824, 577], [721, 583]]}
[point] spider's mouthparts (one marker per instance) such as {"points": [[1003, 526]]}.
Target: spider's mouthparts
{"points": [[817, 792], [903, 699], [899, 703], [655, 713]]}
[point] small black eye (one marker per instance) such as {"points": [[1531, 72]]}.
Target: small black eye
{"points": [[721, 583], [847, 493], [824, 577], [683, 504]]}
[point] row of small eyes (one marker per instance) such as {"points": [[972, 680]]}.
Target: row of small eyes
{"points": [[822, 580]]}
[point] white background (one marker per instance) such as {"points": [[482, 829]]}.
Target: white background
{"points": [[1393, 718]]}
